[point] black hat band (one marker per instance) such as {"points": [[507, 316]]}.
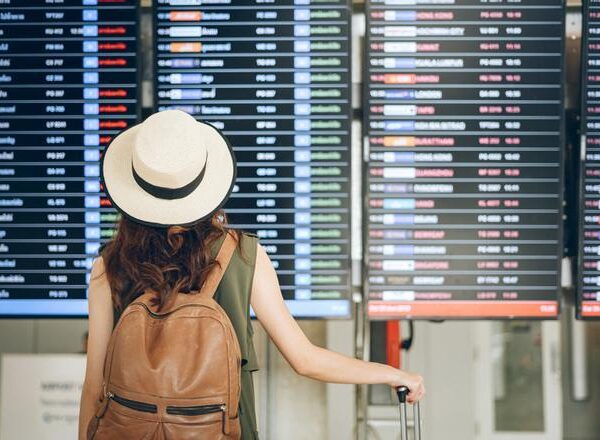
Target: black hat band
{"points": [[169, 193]]}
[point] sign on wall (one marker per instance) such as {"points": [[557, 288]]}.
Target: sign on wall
{"points": [[39, 396]]}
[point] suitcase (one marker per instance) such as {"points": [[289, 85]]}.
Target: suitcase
{"points": [[402, 394]]}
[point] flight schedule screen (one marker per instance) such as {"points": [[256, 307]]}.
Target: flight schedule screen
{"points": [[464, 133], [68, 84], [589, 227], [274, 77]]}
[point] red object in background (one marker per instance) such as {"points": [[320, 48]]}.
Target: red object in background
{"points": [[113, 124], [392, 343], [462, 309], [590, 308], [113, 93], [112, 46]]}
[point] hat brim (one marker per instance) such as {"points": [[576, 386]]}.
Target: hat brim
{"points": [[138, 205]]}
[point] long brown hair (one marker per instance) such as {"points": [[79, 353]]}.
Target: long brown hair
{"points": [[165, 260]]}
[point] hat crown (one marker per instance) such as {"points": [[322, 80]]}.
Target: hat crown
{"points": [[167, 151]]}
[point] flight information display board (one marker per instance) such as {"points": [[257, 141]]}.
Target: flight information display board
{"points": [[588, 285], [68, 84], [274, 77], [464, 132]]}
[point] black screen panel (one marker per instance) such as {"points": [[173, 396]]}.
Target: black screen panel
{"points": [[464, 173], [68, 84], [588, 285], [275, 78]]}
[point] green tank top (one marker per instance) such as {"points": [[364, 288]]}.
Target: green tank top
{"points": [[233, 295]]}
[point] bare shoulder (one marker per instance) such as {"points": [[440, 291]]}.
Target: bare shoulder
{"points": [[98, 268], [263, 261], [265, 278], [99, 288], [248, 244]]}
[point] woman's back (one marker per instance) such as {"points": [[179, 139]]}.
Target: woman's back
{"points": [[175, 340], [233, 295]]}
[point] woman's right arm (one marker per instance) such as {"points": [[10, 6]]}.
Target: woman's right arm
{"points": [[304, 357], [100, 328]]}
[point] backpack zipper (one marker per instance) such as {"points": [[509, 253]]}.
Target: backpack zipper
{"points": [[133, 404], [174, 410], [195, 410]]}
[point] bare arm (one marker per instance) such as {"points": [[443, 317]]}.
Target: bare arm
{"points": [[304, 357], [100, 329]]}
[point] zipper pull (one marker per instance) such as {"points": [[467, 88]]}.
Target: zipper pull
{"points": [[104, 405], [226, 427]]}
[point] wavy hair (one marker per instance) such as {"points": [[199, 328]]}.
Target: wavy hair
{"points": [[165, 260]]}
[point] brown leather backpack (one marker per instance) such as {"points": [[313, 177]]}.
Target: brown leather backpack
{"points": [[173, 374]]}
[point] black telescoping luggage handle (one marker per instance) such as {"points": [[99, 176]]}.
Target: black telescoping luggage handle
{"points": [[402, 395]]}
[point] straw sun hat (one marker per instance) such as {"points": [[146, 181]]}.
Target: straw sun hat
{"points": [[168, 170]]}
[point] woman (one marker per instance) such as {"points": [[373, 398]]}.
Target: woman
{"points": [[169, 177]]}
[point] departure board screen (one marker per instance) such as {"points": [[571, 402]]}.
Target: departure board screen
{"points": [[588, 285], [464, 173], [68, 84], [274, 77]]}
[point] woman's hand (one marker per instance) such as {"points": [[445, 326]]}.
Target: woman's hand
{"points": [[413, 382]]}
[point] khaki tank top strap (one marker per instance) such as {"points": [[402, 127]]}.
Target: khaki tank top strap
{"points": [[216, 274]]}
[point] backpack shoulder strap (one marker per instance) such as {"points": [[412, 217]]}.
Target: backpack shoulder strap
{"points": [[216, 274]]}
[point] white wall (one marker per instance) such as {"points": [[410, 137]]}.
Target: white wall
{"points": [[41, 336]]}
